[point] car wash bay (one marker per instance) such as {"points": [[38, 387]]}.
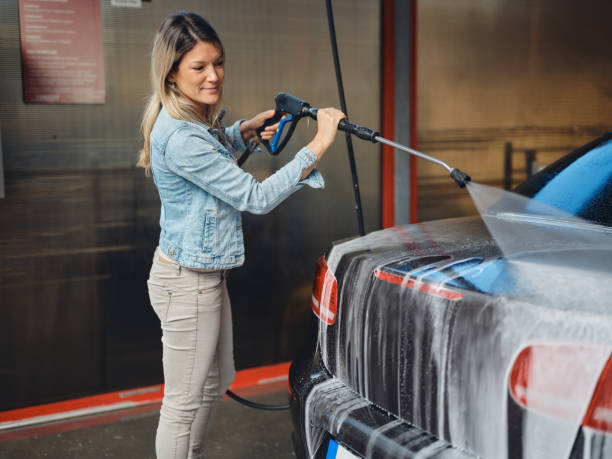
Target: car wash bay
{"points": [[495, 88]]}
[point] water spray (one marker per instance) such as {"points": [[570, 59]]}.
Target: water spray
{"points": [[290, 110]]}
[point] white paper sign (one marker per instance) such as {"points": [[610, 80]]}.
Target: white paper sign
{"points": [[127, 3]]}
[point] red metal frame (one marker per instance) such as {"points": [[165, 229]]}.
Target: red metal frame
{"points": [[388, 111], [413, 109]]}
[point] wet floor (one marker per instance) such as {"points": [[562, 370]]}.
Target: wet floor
{"points": [[238, 432]]}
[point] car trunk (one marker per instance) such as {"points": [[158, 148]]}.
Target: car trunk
{"points": [[416, 332]]}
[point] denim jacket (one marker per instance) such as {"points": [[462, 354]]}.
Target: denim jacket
{"points": [[202, 191]]}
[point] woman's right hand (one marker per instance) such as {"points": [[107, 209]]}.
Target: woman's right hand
{"points": [[327, 127]]}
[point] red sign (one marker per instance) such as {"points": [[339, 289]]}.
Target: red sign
{"points": [[61, 51]]}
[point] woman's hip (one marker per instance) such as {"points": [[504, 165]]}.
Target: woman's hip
{"points": [[179, 292]]}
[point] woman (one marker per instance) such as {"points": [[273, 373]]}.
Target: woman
{"points": [[202, 191]]}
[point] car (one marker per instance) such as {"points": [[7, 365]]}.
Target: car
{"points": [[486, 336]]}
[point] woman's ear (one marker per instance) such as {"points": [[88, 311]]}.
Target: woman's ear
{"points": [[170, 78]]}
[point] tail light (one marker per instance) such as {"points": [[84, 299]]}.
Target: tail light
{"points": [[599, 414], [560, 380], [324, 293], [419, 285]]}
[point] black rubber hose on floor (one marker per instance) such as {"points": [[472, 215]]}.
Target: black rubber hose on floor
{"points": [[259, 406]]}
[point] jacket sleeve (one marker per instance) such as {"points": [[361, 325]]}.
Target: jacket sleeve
{"points": [[191, 156], [233, 134]]}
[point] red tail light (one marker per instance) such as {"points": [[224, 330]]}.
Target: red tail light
{"points": [[324, 293], [599, 414], [560, 380], [418, 285]]}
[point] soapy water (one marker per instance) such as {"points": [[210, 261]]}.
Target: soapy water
{"points": [[332, 403], [519, 224], [554, 256], [443, 366]]}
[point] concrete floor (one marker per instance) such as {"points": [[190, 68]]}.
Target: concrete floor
{"points": [[237, 432]]}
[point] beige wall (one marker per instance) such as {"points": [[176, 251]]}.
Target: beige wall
{"points": [[535, 73]]}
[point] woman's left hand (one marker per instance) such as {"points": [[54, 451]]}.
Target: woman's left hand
{"points": [[248, 129]]}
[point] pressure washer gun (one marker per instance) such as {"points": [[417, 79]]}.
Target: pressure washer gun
{"points": [[290, 109]]}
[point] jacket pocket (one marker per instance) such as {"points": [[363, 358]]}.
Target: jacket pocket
{"points": [[209, 231]]}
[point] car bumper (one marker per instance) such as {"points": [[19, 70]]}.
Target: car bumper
{"points": [[324, 409]]}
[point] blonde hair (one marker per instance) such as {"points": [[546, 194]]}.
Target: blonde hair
{"points": [[178, 33]]}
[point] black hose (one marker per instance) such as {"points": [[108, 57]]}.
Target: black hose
{"points": [[349, 142], [244, 156], [229, 393], [351, 154], [259, 406]]}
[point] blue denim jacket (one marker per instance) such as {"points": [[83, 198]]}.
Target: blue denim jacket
{"points": [[202, 191]]}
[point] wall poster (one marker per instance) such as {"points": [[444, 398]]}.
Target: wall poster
{"points": [[61, 51]]}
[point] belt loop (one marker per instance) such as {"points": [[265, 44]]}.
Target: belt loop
{"points": [[178, 269]]}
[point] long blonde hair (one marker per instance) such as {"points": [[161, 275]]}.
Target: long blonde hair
{"points": [[178, 33]]}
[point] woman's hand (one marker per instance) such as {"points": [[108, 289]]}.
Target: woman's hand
{"points": [[327, 127], [248, 129]]}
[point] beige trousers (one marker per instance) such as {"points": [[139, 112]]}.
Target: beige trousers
{"points": [[196, 321]]}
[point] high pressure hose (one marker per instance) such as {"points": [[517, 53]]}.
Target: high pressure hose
{"points": [[349, 142], [259, 406]]}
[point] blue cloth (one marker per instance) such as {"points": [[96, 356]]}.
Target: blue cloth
{"points": [[202, 191], [581, 183]]}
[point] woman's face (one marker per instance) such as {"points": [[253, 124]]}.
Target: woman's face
{"points": [[200, 73]]}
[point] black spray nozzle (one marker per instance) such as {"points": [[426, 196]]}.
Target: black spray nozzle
{"points": [[460, 178]]}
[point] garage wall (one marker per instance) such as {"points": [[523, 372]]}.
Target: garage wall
{"points": [[79, 222], [533, 73]]}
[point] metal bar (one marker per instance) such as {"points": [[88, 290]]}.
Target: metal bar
{"points": [[508, 149], [414, 152]]}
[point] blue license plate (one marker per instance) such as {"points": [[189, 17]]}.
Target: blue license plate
{"points": [[337, 451]]}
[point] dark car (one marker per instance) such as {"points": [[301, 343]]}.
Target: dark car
{"points": [[485, 336]]}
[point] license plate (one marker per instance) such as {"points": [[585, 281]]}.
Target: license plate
{"points": [[337, 451]]}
